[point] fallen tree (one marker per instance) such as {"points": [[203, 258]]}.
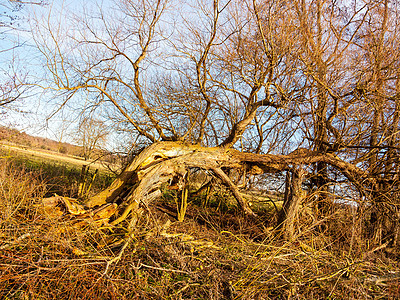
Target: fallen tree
{"points": [[168, 163]]}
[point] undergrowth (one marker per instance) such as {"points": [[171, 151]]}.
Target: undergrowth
{"points": [[215, 253]]}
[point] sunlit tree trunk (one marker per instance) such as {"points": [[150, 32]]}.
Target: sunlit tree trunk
{"points": [[376, 47], [293, 198]]}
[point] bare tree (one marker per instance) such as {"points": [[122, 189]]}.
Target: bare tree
{"points": [[378, 87], [12, 81], [257, 86], [91, 135]]}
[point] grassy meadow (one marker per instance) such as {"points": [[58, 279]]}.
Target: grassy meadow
{"points": [[215, 253]]}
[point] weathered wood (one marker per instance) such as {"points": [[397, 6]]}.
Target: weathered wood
{"points": [[292, 202], [153, 153], [161, 162]]}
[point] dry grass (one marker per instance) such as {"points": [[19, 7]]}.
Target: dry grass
{"points": [[215, 253]]}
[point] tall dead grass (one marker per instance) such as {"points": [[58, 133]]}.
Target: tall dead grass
{"points": [[216, 253], [19, 193]]}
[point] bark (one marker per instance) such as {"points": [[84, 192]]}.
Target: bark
{"points": [[292, 202], [396, 238], [377, 57], [241, 201]]}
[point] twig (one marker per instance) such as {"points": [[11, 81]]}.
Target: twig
{"points": [[118, 257], [375, 249], [160, 269], [10, 244]]}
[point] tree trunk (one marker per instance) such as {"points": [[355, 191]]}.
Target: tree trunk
{"points": [[165, 163], [292, 202]]}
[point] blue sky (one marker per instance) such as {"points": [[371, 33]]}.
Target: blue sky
{"points": [[30, 115], [17, 51]]}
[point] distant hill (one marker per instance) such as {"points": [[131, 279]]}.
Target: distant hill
{"points": [[14, 136]]}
